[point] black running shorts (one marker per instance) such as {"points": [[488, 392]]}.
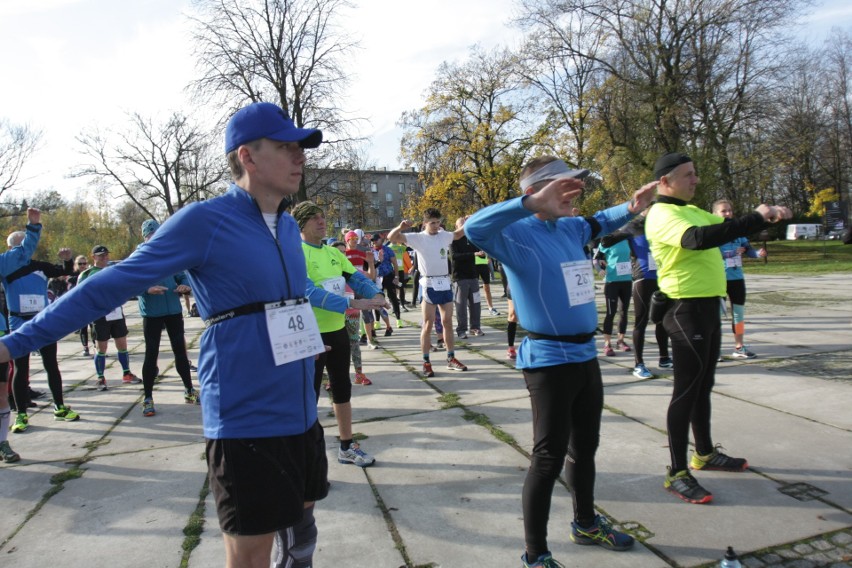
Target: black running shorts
{"points": [[260, 485]]}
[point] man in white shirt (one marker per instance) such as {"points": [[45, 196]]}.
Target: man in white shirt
{"points": [[432, 245]]}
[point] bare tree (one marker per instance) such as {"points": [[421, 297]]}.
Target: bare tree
{"points": [[17, 143], [160, 167], [291, 52]]}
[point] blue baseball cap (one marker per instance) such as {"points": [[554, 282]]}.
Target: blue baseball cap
{"points": [[267, 120], [149, 227]]}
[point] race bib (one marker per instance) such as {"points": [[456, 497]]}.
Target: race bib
{"points": [[335, 285], [293, 332], [733, 261], [31, 303], [579, 282], [438, 283], [652, 264], [622, 268], [116, 314]]}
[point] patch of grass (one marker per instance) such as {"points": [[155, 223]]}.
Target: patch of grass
{"points": [[482, 420], [74, 473], [194, 526], [449, 400], [797, 257]]}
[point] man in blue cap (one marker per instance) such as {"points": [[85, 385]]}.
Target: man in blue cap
{"points": [[243, 256]]}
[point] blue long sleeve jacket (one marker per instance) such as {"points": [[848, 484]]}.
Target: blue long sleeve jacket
{"points": [[536, 255], [17, 257], [232, 259]]}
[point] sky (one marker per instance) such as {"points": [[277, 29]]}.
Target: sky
{"points": [[73, 65]]}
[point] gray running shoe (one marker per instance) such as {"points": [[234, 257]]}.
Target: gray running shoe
{"points": [[355, 455]]}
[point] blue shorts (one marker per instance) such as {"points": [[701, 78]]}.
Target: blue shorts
{"points": [[438, 297]]}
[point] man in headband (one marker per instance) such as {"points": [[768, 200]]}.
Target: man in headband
{"points": [[540, 245], [684, 243]]}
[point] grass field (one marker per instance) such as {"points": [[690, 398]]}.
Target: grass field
{"points": [[809, 257]]}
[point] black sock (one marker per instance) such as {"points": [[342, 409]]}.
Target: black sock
{"points": [[511, 329], [344, 444]]}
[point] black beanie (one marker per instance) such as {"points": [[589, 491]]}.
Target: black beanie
{"points": [[669, 162]]}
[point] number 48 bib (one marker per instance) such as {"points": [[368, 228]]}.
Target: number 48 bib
{"points": [[293, 332]]}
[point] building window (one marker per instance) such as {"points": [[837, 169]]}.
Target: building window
{"points": [[401, 187], [374, 187], [389, 211], [389, 197]]}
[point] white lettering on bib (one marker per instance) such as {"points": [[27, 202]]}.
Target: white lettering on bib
{"points": [[652, 264], [31, 303], [437, 283], [733, 261], [579, 282], [293, 332], [622, 268], [116, 314], [335, 285]]}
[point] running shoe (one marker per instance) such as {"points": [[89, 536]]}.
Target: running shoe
{"points": [[22, 422], [399, 324], [374, 345], [640, 371], [148, 407], [34, 394], [543, 561], [665, 363], [684, 486], [191, 396], [404, 306], [602, 534], [477, 332], [101, 384], [743, 353], [86, 352], [493, 312], [455, 365], [427, 370], [608, 350], [7, 453], [717, 461], [720, 358], [462, 335], [130, 379], [363, 339], [622, 346], [511, 353], [355, 455], [65, 413], [361, 379], [388, 331], [193, 368]]}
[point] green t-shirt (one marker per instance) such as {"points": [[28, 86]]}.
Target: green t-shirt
{"points": [[684, 273], [326, 266], [399, 251]]}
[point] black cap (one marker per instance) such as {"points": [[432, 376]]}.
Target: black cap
{"points": [[375, 237], [100, 249], [667, 163]]}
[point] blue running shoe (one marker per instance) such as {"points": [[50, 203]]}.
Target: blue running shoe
{"points": [[602, 534], [544, 561], [640, 371]]}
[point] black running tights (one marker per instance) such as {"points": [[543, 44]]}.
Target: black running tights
{"points": [[566, 402]]}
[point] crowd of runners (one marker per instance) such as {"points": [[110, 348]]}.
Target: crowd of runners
{"points": [[303, 303]]}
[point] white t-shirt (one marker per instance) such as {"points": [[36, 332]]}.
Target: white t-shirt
{"points": [[432, 251]]}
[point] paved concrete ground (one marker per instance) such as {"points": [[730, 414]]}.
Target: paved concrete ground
{"points": [[117, 489]]}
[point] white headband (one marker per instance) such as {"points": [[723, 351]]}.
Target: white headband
{"points": [[553, 170]]}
